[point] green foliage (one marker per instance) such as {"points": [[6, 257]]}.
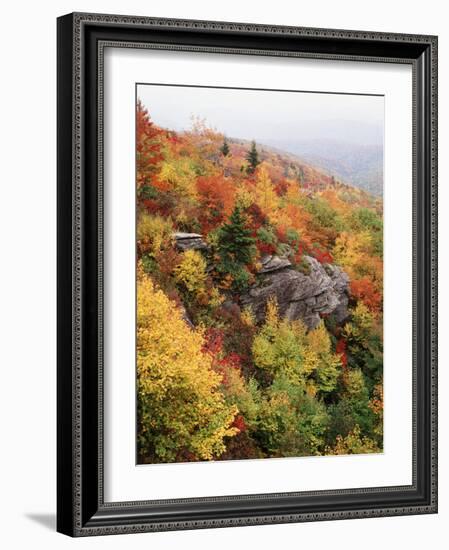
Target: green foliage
{"points": [[266, 235], [284, 348], [357, 396], [353, 409], [225, 150], [235, 244], [277, 347], [364, 340], [353, 444], [236, 249], [359, 330], [148, 192], [303, 266], [253, 158], [245, 395], [293, 236], [367, 219], [323, 363], [240, 278], [324, 215], [299, 173], [149, 264], [291, 422]]}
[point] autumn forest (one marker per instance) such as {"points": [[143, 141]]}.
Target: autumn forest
{"points": [[259, 301]]}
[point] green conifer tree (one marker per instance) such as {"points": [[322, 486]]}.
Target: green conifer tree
{"points": [[253, 158], [235, 243], [225, 150], [236, 249]]}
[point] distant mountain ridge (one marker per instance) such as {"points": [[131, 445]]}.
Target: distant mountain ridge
{"points": [[360, 171], [358, 165]]}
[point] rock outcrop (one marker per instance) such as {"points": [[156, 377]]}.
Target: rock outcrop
{"points": [[300, 295], [317, 289], [274, 263], [189, 241]]}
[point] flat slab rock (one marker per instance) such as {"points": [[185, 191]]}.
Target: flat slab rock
{"points": [[189, 241], [299, 295]]}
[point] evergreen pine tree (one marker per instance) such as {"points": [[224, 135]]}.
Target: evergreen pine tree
{"points": [[236, 250], [225, 148], [253, 158], [235, 243]]}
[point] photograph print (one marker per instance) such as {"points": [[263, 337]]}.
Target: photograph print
{"points": [[259, 273]]}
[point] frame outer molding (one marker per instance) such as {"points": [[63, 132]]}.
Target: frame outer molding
{"points": [[70, 268]]}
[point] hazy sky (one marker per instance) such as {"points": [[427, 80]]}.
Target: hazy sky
{"points": [[266, 115]]}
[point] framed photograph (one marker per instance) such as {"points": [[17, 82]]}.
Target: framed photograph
{"points": [[247, 279]]}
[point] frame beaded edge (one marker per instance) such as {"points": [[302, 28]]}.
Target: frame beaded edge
{"points": [[79, 19]]}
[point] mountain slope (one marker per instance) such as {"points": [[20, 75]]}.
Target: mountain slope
{"points": [[358, 165]]}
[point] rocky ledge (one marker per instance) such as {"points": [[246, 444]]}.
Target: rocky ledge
{"points": [[189, 241], [300, 295], [274, 263]]}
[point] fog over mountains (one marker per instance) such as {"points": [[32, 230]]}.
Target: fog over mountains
{"points": [[360, 165], [340, 134]]}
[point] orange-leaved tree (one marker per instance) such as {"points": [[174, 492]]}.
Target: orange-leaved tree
{"points": [[148, 147]]}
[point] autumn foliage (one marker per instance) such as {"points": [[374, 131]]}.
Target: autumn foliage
{"points": [[179, 405], [212, 382]]}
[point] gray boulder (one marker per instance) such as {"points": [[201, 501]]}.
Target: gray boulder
{"points": [[319, 290], [189, 241], [274, 263]]}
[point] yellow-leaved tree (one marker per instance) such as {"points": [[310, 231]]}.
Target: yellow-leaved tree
{"points": [[181, 412], [353, 443], [153, 233], [191, 272], [285, 349], [265, 195], [321, 359], [178, 173], [278, 346]]}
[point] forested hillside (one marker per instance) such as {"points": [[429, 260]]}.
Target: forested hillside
{"points": [[259, 302], [360, 165]]}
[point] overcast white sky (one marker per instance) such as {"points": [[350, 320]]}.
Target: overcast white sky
{"points": [[264, 115]]}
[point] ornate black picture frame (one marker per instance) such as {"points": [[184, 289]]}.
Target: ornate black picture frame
{"points": [[81, 509]]}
